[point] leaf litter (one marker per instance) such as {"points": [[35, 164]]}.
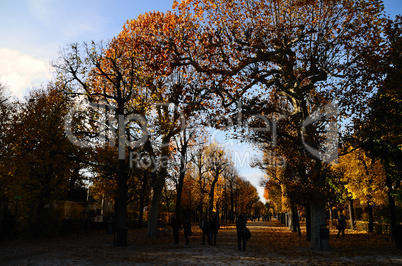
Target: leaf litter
{"points": [[271, 243]]}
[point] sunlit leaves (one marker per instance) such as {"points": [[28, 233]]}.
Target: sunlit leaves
{"points": [[291, 47], [364, 178]]}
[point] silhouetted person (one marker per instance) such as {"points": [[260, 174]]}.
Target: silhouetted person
{"points": [[214, 227], [176, 228], [341, 226], [205, 227], [241, 231], [187, 229]]}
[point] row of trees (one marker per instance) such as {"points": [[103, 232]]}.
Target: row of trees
{"points": [[268, 64], [40, 164], [208, 186], [369, 167], [289, 60]]}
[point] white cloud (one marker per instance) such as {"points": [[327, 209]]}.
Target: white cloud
{"points": [[20, 72]]}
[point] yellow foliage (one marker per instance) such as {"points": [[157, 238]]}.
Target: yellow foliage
{"points": [[364, 177]]}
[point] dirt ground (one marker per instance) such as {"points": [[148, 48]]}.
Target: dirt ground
{"points": [[271, 244]]}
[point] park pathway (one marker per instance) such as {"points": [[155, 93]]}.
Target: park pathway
{"points": [[98, 249], [271, 244]]}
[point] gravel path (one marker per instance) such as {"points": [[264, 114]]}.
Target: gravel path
{"points": [[271, 244]]}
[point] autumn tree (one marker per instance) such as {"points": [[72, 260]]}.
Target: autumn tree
{"points": [[109, 78], [103, 164], [103, 182], [286, 165], [294, 57], [183, 143], [247, 196], [130, 76], [199, 173], [42, 164], [259, 209], [188, 199], [6, 111], [273, 195], [209, 162], [230, 175], [216, 164], [140, 188], [216, 185], [178, 92], [380, 131], [364, 179]]}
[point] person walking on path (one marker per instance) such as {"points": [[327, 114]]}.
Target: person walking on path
{"points": [[205, 227], [240, 229], [341, 225], [187, 229], [214, 227], [176, 228]]}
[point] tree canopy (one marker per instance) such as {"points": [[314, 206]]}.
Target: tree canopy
{"points": [[286, 72]]}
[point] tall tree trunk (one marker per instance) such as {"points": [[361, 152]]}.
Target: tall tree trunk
{"points": [[330, 213], [167, 200], [396, 235], [122, 196], [182, 173], [351, 214], [293, 218], [308, 222], [141, 212], [232, 208], [157, 186], [143, 196], [211, 196], [289, 219], [226, 215], [200, 210], [154, 209], [392, 210], [200, 203], [370, 218], [201, 187], [296, 221], [317, 219]]}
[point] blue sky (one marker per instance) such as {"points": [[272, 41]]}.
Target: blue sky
{"points": [[32, 32]]}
